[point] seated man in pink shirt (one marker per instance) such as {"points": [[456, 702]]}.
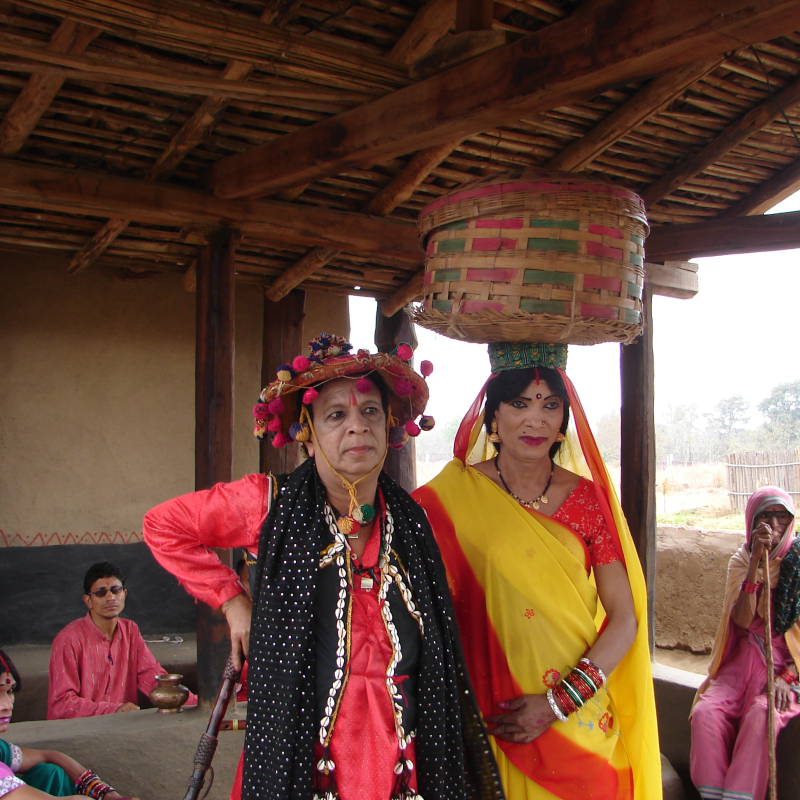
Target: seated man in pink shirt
{"points": [[99, 662]]}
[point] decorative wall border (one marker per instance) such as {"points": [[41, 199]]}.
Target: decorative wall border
{"points": [[47, 539]]}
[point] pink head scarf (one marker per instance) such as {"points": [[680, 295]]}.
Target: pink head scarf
{"points": [[763, 498]]}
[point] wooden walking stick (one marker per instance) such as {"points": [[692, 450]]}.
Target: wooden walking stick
{"points": [[208, 741], [773, 783]]}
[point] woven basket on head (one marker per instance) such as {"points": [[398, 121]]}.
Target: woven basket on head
{"points": [[534, 255]]}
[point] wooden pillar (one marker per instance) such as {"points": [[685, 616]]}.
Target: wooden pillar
{"points": [[214, 425], [638, 446], [401, 465], [282, 341]]}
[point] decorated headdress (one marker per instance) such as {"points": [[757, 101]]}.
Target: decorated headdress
{"points": [[280, 411]]}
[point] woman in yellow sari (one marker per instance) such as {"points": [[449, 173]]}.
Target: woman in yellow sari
{"points": [[548, 590]]}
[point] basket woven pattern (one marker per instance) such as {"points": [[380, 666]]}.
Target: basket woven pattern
{"points": [[512, 258]]}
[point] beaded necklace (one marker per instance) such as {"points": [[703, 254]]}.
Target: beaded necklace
{"points": [[534, 504], [340, 554]]}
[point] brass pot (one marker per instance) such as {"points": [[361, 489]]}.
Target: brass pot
{"points": [[168, 695]]}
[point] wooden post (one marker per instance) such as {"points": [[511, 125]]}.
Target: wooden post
{"points": [[401, 465], [282, 341], [214, 426], [638, 449]]}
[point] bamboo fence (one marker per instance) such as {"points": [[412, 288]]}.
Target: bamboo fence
{"points": [[749, 471]]}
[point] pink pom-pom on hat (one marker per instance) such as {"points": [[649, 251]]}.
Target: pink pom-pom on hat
{"points": [[276, 406], [363, 385], [300, 364], [279, 440], [309, 396], [274, 425], [404, 352], [425, 368], [412, 429]]}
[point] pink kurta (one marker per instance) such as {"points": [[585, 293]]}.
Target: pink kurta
{"points": [[90, 675], [179, 532]]}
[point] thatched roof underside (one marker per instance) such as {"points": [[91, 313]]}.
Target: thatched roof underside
{"points": [[133, 89]]}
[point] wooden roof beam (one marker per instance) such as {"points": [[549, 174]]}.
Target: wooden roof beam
{"points": [[768, 194], [610, 42], [723, 237], [737, 132], [77, 192], [397, 191], [431, 22], [26, 111], [661, 91]]}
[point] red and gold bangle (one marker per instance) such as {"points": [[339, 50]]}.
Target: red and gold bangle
{"points": [[593, 671], [788, 676], [564, 699], [750, 588]]}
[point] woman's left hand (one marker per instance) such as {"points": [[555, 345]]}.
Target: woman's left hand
{"points": [[525, 718], [783, 695]]}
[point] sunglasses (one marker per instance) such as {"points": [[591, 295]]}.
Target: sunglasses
{"points": [[105, 590]]}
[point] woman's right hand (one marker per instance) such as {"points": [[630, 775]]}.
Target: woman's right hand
{"points": [[762, 542], [238, 611]]}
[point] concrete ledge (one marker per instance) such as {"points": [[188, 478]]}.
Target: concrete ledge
{"points": [[141, 753]]}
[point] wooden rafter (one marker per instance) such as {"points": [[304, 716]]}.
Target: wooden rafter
{"points": [[768, 194], [561, 63], [737, 132], [58, 66], [432, 22], [194, 130], [76, 192], [646, 102], [397, 191], [724, 236], [70, 37], [202, 29]]}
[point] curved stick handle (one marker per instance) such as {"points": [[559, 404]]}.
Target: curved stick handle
{"points": [[208, 741]]}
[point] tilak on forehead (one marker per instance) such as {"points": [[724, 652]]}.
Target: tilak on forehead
{"points": [[282, 411]]}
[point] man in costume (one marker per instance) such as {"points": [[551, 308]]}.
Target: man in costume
{"points": [[547, 587], [99, 663], [356, 682]]}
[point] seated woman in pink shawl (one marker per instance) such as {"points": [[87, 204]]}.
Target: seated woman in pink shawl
{"points": [[729, 718]]}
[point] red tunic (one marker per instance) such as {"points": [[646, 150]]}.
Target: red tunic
{"points": [[180, 532]]}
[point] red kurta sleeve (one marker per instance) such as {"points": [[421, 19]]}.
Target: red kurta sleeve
{"points": [[181, 532]]}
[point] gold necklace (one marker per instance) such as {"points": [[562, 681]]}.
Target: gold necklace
{"points": [[534, 504]]}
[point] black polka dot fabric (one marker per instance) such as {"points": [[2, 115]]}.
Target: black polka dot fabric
{"points": [[454, 760]]}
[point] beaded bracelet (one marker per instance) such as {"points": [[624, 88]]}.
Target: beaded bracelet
{"points": [[749, 588], [560, 715]]}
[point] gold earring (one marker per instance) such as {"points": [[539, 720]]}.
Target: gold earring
{"points": [[560, 437], [494, 436]]}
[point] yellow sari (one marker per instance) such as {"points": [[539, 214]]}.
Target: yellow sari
{"points": [[527, 611]]}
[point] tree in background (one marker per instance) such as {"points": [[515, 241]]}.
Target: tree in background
{"points": [[782, 415], [729, 418]]}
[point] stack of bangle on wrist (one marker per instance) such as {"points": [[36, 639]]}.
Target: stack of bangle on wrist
{"points": [[90, 785], [750, 588], [788, 676], [580, 686]]}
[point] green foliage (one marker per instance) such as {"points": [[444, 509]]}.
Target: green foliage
{"points": [[782, 413]]}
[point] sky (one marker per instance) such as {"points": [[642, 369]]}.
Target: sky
{"points": [[738, 335]]}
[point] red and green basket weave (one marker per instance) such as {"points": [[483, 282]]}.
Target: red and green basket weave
{"points": [[534, 255]]}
